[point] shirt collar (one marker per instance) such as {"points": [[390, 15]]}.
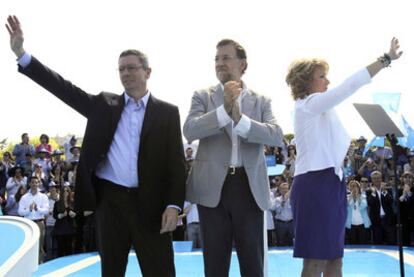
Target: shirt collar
{"points": [[143, 100]]}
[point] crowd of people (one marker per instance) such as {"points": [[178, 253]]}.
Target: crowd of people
{"points": [[369, 175], [371, 194], [38, 183]]}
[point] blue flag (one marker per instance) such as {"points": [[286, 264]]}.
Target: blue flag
{"points": [[389, 101], [408, 140]]}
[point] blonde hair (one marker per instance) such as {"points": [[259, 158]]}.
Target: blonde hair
{"points": [[300, 75]]}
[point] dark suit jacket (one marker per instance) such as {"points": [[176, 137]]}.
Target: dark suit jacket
{"points": [[161, 170], [374, 207]]}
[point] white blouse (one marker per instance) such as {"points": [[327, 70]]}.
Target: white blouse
{"points": [[321, 139]]}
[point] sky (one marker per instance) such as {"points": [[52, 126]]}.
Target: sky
{"points": [[82, 40]]}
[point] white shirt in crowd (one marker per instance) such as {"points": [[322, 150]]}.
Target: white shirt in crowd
{"points": [[42, 202]]}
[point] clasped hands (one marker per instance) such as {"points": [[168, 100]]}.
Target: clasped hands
{"points": [[232, 90]]}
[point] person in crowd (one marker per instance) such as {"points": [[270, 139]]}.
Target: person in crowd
{"points": [[56, 159], [12, 203], [58, 175], [20, 150], [228, 180], [40, 174], [283, 217], [72, 172], [358, 157], [318, 194], [50, 240], [75, 151], [43, 160], [68, 145], [27, 165], [270, 224], [291, 158], [406, 199], [347, 169], [5, 165], [357, 221], [16, 180], [64, 230], [193, 232], [365, 185], [279, 157], [189, 159], [34, 205], [409, 166], [381, 213], [367, 168], [131, 170], [44, 144]]}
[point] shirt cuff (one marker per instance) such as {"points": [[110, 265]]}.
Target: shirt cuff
{"points": [[243, 127], [175, 207], [24, 60], [222, 117]]}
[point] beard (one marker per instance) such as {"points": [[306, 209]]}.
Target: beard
{"points": [[224, 76]]}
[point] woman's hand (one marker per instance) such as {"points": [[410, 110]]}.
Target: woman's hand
{"points": [[394, 53]]}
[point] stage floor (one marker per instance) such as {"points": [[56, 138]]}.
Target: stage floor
{"points": [[361, 262]]}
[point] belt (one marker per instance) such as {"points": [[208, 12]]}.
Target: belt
{"points": [[193, 223], [282, 221], [235, 170], [115, 187], [38, 220]]}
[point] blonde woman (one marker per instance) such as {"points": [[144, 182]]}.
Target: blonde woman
{"points": [[318, 193], [357, 220]]}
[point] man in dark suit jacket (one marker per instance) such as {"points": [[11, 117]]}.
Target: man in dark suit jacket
{"points": [[131, 169], [381, 213]]}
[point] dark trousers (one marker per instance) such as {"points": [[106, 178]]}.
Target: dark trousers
{"points": [[284, 232], [358, 234], [65, 245], [237, 217], [383, 232], [119, 226]]}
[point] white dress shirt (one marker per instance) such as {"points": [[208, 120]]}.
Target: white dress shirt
{"points": [[321, 140], [42, 202], [121, 164]]}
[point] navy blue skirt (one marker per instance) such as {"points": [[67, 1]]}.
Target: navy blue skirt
{"points": [[319, 213]]}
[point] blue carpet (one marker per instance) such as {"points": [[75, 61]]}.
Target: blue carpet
{"points": [[366, 261]]}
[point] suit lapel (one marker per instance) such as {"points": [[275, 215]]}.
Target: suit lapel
{"points": [[149, 118], [248, 102], [118, 103], [217, 96]]}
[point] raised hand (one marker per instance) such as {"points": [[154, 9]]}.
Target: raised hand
{"points": [[232, 90], [16, 35], [394, 53]]}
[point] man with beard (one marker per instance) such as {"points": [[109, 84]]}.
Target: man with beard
{"points": [[228, 179]]}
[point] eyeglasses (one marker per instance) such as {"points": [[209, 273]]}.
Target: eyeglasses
{"points": [[225, 58], [364, 181], [130, 68]]}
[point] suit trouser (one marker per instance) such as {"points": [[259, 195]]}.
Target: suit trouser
{"points": [[236, 218], [41, 224], [284, 232], [119, 227]]}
